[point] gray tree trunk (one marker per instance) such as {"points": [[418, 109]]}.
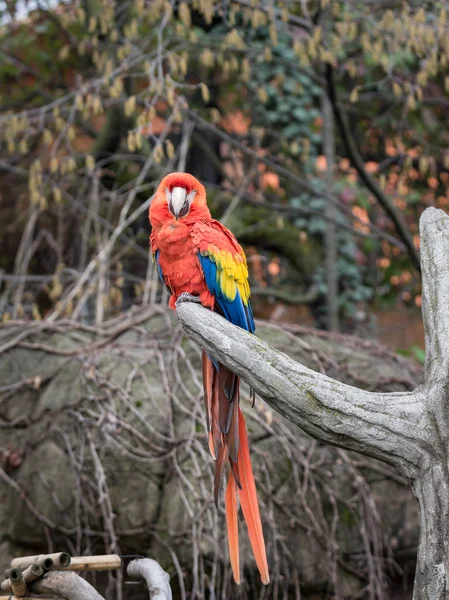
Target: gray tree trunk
{"points": [[409, 430]]}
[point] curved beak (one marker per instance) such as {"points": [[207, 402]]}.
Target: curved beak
{"points": [[179, 201]]}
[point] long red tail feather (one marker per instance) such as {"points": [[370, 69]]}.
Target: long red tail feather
{"points": [[228, 440], [233, 531], [249, 503]]}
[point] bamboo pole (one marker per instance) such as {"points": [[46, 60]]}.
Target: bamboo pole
{"points": [[17, 582], [33, 572], [106, 562], [48, 561], [30, 574]]}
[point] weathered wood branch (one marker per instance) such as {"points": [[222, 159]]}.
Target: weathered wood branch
{"points": [[380, 425], [407, 430], [156, 579], [65, 584]]}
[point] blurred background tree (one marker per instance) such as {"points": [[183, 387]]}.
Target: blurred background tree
{"points": [[317, 127]]}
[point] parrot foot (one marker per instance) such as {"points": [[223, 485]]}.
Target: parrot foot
{"points": [[186, 297]]}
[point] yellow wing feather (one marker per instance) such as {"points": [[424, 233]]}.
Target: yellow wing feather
{"points": [[232, 273]]}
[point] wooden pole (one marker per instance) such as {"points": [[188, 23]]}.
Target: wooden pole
{"points": [[17, 582], [30, 574], [106, 562]]}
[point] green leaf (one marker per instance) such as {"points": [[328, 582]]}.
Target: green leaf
{"points": [[300, 114]]}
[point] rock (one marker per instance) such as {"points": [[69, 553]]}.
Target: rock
{"points": [[104, 450]]}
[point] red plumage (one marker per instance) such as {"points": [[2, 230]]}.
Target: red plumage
{"points": [[198, 255]]}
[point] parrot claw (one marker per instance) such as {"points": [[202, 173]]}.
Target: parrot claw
{"points": [[186, 297]]}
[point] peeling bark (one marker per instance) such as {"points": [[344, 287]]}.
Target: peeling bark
{"points": [[409, 430]]}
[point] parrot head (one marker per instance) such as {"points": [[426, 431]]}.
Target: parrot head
{"points": [[179, 196]]}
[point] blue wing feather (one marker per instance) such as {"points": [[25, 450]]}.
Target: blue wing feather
{"points": [[159, 270], [235, 310]]}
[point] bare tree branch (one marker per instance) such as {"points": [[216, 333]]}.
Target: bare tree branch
{"points": [[357, 162]]}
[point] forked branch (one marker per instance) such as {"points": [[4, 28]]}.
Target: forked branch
{"points": [[391, 427], [380, 425]]}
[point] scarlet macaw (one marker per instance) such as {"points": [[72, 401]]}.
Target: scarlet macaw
{"points": [[197, 255]]}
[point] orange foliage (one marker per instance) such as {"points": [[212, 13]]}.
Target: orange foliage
{"points": [[321, 163], [274, 268], [390, 149], [236, 122], [344, 164], [362, 223], [270, 180], [383, 262], [371, 166], [352, 176], [406, 276], [156, 126], [403, 188], [399, 203]]}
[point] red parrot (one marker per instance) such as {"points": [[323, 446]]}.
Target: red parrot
{"points": [[198, 256]]}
